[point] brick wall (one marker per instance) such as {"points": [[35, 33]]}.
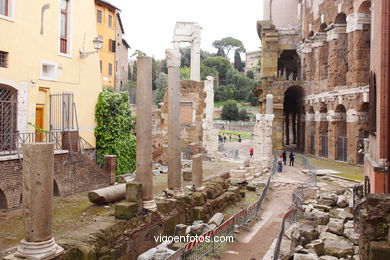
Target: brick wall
{"points": [[70, 176]]}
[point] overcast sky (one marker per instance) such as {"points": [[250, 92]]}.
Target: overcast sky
{"points": [[149, 24]]}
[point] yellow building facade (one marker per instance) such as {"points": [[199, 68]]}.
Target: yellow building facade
{"points": [[106, 26], [44, 81]]}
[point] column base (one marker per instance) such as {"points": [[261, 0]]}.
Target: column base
{"points": [[177, 193], [37, 250], [150, 205]]}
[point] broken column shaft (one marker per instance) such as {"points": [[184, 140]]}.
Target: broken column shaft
{"points": [[38, 175], [197, 170], [174, 152], [144, 173]]}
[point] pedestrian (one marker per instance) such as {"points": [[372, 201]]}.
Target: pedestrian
{"points": [[239, 138], [280, 163], [292, 158], [224, 138], [230, 138], [284, 155], [251, 152]]}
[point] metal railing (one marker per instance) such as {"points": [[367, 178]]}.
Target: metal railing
{"points": [[11, 144], [90, 152], [312, 171], [201, 247]]}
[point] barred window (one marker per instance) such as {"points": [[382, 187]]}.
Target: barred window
{"points": [[3, 59]]}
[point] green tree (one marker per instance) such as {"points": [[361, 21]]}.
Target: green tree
{"points": [[185, 73], [161, 83], [225, 45], [250, 74], [207, 71], [230, 110], [223, 92], [115, 128], [243, 115], [220, 64], [238, 65]]}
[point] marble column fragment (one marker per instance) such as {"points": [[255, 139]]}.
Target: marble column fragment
{"points": [[144, 173], [174, 152]]}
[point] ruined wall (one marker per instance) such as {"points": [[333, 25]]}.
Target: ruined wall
{"points": [[126, 239], [192, 113], [70, 176]]}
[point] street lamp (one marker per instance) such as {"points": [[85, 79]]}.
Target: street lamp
{"points": [[97, 44]]}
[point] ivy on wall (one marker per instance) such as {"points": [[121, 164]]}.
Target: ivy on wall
{"points": [[115, 129]]}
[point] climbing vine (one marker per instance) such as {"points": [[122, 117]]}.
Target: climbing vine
{"points": [[115, 129]]}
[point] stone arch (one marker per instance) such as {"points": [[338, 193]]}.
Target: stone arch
{"points": [[341, 18], [340, 121], [3, 200], [293, 110], [288, 64], [365, 7], [322, 28], [56, 190]]}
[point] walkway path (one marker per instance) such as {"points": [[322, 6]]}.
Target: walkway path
{"points": [[254, 243]]}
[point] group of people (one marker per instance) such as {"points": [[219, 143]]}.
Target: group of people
{"points": [[223, 138], [282, 160]]}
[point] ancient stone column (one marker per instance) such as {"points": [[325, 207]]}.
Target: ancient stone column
{"points": [[144, 173], [38, 175], [174, 152], [195, 54], [197, 170]]}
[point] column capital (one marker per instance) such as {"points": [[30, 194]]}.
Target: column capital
{"points": [[173, 57]]}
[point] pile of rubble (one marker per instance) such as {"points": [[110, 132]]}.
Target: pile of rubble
{"points": [[326, 230], [245, 173]]}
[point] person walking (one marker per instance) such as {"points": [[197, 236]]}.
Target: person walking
{"points": [[280, 163], [251, 152], [292, 158], [284, 155]]}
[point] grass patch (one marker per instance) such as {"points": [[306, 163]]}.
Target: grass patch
{"points": [[347, 170]]}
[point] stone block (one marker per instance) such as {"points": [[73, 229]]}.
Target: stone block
{"points": [[187, 175], [198, 213], [126, 210], [336, 226], [305, 257], [199, 198], [242, 193], [316, 246], [251, 187], [180, 230], [379, 250], [165, 206], [338, 248], [235, 190], [134, 192]]}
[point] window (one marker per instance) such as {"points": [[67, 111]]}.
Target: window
{"points": [[99, 16], [111, 46], [64, 26], [3, 59], [48, 71], [4, 6], [109, 20], [110, 69]]}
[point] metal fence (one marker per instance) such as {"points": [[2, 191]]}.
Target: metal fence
{"points": [[202, 246], [324, 145], [342, 146]]}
